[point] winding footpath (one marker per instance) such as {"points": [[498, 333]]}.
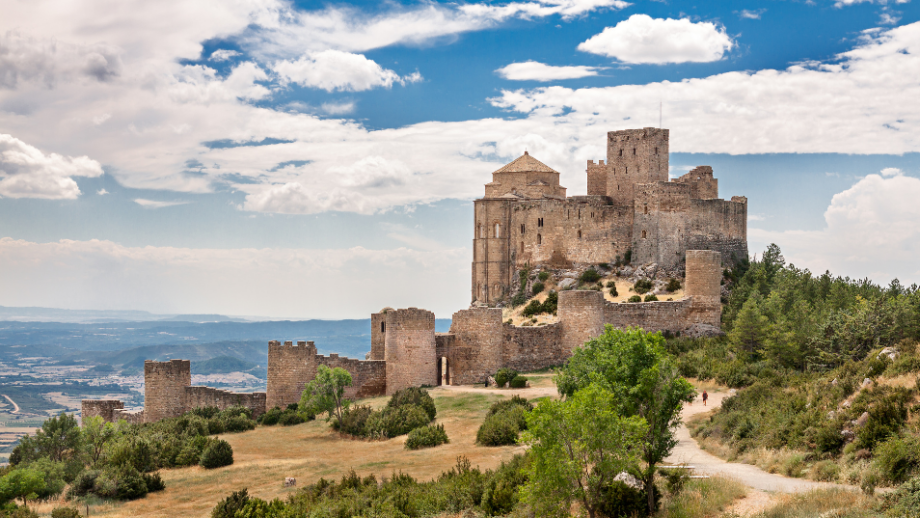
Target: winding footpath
{"points": [[688, 452], [15, 406]]}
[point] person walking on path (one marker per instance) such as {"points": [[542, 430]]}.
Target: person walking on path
{"points": [[705, 397]]}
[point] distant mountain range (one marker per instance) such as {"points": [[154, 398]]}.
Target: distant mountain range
{"points": [[124, 339]]}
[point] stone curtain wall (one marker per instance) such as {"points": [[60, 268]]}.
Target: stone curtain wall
{"points": [[720, 225], [532, 348], [130, 417], [650, 316], [410, 349], [164, 388], [203, 397], [368, 377], [103, 408], [703, 185], [378, 335]]}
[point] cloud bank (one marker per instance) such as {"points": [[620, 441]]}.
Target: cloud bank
{"points": [[643, 39], [26, 172]]}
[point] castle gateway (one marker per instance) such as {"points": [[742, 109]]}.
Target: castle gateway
{"points": [[631, 208]]}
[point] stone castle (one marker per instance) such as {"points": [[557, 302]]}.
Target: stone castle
{"points": [[630, 206]]}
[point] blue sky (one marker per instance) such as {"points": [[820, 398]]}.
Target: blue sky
{"points": [[317, 160]]}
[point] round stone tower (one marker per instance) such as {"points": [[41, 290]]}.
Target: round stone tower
{"points": [[581, 313], [410, 352]]}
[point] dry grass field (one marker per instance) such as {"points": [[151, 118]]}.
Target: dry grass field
{"points": [[265, 456]]}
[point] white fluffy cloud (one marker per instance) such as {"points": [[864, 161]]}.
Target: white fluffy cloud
{"points": [[643, 39], [266, 282], [534, 71], [26, 60], [336, 70], [156, 204], [871, 232], [26, 172]]}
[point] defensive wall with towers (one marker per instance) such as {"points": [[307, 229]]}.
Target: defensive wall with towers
{"points": [[524, 219], [631, 207]]}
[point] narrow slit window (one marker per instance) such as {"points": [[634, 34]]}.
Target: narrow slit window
{"points": [[539, 239], [643, 234]]}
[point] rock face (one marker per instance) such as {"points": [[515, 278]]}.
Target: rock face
{"points": [[566, 283], [702, 331], [890, 352], [862, 420]]}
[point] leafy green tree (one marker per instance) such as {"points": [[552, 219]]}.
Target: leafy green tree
{"points": [[326, 393], [644, 381], [578, 447], [23, 483], [96, 434], [59, 436]]}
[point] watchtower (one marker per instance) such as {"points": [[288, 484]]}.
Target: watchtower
{"points": [[581, 313], [635, 156], [411, 353], [164, 388]]}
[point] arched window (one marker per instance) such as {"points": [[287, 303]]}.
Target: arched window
{"points": [[643, 234], [383, 327], [539, 239], [498, 230], [579, 234]]}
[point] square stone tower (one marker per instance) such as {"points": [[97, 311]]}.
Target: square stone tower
{"points": [[635, 156]]}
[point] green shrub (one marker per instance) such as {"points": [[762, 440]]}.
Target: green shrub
{"points": [[518, 382], [122, 483], [228, 507], [238, 423], [414, 396], [354, 420], [619, 499], [271, 417], [611, 284], [83, 484], [543, 276], [673, 285], [502, 427], [590, 276], [426, 437], [534, 307], [504, 375], [292, 418], [507, 404], [65, 512], [500, 493], [642, 286], [206, 412], [153, 481], [537, 288], [886, 417], [614, 292], [898, 458], [217, 454], [395, 421], [635, 298], [651, 298], [676, 478], [825, 471]]}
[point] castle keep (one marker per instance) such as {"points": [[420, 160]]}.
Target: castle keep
{"points": [[631, 207], [525, 218]]}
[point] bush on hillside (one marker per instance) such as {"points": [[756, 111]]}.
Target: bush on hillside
{"points": [[673, 285], [589, 276], [635, 298], [414, 396], [395, 421], [651, 298], [504, 375], [426, 437], [619, 499], [518, 382], [543, 276], [550, 305], [217, 454], [65, 512], [537, 288], [898, 458], [228, 507], [354, 420], [643, 286], [504, 422], [292, 418]]}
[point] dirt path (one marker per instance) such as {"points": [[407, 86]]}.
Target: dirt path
{"points": [[689, 452], [15, 406]]}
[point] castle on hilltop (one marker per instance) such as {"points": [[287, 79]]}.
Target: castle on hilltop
{"points": [[632, 209], [524, 219]]}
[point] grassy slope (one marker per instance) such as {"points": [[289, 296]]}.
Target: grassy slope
{"points": [[266, 455]]}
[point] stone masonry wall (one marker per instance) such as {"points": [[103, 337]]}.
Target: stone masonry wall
{"points": [[103, 408], [703, 284], [378, 335], [475, 352], [581, 313], [532, 348], [164, 388], [650, 316], [411, 359], [368, 377], [719, 225], [597, 178], [290, 367], [203, 397]]}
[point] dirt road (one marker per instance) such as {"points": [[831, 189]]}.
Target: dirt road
{"points": [[15, 406]]}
